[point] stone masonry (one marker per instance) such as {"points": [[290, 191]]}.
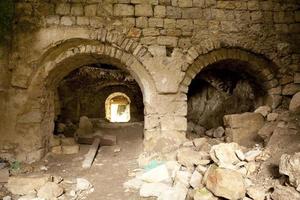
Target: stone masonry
{"points": [[163, 43]]}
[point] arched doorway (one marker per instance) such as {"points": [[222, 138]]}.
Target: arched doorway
{"points": [[56, 64], [117, 107], [227, 81]]}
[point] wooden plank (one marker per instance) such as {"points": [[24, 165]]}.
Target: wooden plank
{"points": [[90, 156]]}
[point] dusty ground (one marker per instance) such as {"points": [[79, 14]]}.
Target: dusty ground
{"points": [[110, 169]]}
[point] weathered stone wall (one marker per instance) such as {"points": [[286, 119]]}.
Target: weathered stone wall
{"points": [[163, 44]]}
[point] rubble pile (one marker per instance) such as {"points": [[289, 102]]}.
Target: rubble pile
{"points": [[47, 187], [207, 168]]}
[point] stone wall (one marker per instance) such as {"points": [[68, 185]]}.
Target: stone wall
{"points": [[164, 44]]}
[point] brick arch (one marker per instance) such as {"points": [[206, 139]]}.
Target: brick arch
{"points": [[57, 62], [262, 68]]}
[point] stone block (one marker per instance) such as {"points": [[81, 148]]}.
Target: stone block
{"points": [[52, 19], [77, 9], [156, 22], [243, 128], [22, 185], [291, 89], [70, 149], [151, 2], [134, 33], [123, 10], [199, 3], [63, 8], [192, 13], [67, 21], [83, 21], [295, 103], [90, 10], [142, 22], [150, 32], [143, 10], [297, 78], [185, 3], [167, 41], [174, 12], [184, 24], [169, 23], [160, 11], [56, 150], [225, 183]]}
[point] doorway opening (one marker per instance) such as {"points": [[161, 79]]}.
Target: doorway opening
{"points": [[117, 107]]}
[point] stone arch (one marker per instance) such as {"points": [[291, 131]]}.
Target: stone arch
{"points": [[108, 103], [54, 65], [262, 68]]}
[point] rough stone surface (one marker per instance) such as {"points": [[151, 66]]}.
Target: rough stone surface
{"points": [[243, 128], [285, 193], [27, 184], [295, 103], [49, 191], [289, 165], [225, 183]]}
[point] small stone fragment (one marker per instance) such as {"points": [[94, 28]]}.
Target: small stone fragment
{"points": [[49, 191], [263, 110]]}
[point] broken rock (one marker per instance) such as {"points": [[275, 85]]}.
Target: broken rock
{"points": [[243, 128], [49, 191], [23, 185], [189, 157], [155, 175], [196, 179], [263, 110], [153, 189], [290, 166], [83, 184], [285, 193], [204, 194], [295, 103], [225, 183], [224, 154]]}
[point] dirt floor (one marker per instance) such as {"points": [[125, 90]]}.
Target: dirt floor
{"points": [[110, 169]]}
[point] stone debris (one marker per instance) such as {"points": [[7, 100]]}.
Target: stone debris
{"points": [[82, 184], [153, 189], [196, 179], [290, 166], [204, 194], [295, 103], [223, 171], [257, 193], [263, 110], [23, 185], [49, 191], [285, 193], [224, 154], [158, 174], [225, 183], [243, 128]]}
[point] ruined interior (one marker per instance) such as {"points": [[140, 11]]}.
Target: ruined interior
{"points": [[150, 99]]}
